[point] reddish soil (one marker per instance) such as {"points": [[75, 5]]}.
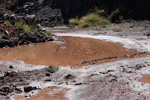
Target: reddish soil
{"points": [[145, 78], [45, 94], [77, 50]]}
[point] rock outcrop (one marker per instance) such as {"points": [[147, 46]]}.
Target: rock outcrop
{"points": [[133, 9]]}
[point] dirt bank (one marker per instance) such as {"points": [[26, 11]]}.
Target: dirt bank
{"points": [[75, 51]]}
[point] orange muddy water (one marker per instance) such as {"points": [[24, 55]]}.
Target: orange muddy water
{"points": [[145, 78], [73, 52], [52, 93]]}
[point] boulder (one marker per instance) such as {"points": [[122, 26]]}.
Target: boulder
{"points": [[27, 88]]}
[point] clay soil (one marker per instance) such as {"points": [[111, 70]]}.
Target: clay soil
{"points": [[72, 53], [145, 78]]}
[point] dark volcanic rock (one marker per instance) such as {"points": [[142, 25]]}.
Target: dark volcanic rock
{"points": [[27, 88], [49, 11], [49, 16], [69, 76], [137, 9]]}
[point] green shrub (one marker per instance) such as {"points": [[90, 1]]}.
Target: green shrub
{"points": [[34, 30], [48, 33], [116, 16], [27, 29], [51, 69], [98, 11], [84, 25], [104, 22], [147, 34], [93, 20], [0, 38], [7, 22], [19, 23], [142, 24], [74, 21]]}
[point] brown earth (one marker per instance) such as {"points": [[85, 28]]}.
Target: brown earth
{"points": [[56, 94], [73, 52], [145, 78]]}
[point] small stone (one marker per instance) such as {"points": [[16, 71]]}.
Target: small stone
{"points": [[47, 74], [48, 80], [11, 67], [69, 76], [27, 88], [78, 84]]}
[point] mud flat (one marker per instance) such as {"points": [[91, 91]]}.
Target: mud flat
{"points": [[114, 78], [51, 93], [145, 78], [73, 52]]}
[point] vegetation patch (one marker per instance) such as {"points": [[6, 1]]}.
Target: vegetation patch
{"points": [[147, 34], [7, 22], [51, 68], [28, 30], [116, 16], [19, 24], [90, 20], [48, 33], [0, 38], [74, 21]]}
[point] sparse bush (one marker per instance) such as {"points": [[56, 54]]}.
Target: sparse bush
{"points": [[84, 25], [7, 22], [116, 16], [104, 22], [147, 34], [0, 38], [34, 30], [26, 29], [74, 21], [48, 33], [98, 11], [142, 24], [93, 20], [18, 24], [51, 69]]}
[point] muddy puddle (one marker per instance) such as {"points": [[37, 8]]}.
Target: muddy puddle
{"points": [[145, 78], [75, 51], [51, 93]]}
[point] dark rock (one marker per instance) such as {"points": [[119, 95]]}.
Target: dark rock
{"points": [[49, 16], [113, 80], [13, 42], [78, 84], [34, 39], [93, 74], [48, 80], [5, 90], [47, 74], [11, 67], [22, 36], [7, 73], [27, 88], [69, 76]]}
